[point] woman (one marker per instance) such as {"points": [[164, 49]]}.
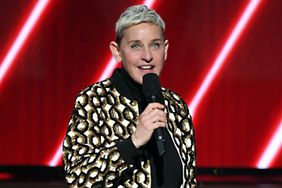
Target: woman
{"points": [[108, 143]]}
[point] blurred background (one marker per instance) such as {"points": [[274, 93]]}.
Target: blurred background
{"points": [[224, 59]]}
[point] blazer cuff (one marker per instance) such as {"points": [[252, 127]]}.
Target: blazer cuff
{"points": [[128, 151]]}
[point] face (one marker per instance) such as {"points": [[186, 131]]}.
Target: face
{"points": [[142, 50]]}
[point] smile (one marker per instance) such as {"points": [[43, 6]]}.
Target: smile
{"points": [[146, 67]]}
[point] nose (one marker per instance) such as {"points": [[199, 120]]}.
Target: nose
{"points": [[147, 55]]}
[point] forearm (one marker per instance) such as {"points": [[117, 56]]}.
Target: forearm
{"points": [[90, 160]]}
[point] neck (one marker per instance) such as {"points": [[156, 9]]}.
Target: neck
{"points": [[127, 87]]}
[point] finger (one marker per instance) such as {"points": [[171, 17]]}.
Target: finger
{"points": [[155, 105], [155, 115], [159, 117], [151, 107], [150, 119], [159, 125]]}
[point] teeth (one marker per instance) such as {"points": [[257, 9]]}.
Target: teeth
{"points": [[146, 67]]}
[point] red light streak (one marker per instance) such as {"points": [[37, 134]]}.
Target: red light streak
{"points": [[226, 50], [149, 3], [111, 65], [5, 176], [22, 37], [272, 149], [55, 160], [276, 140]]}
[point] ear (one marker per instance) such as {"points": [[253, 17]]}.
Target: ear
{"points": [[166, 49], [115, 51]]}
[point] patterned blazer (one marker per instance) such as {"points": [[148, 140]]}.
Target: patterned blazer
{"points": [[101, 117]]}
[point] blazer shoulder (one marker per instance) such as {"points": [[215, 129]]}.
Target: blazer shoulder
{"points": [[174, 97], [98, 88]]}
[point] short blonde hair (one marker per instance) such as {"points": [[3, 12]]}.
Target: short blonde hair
{"points": [[135, 15]]}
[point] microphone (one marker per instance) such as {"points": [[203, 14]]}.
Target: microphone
{"points": [[151, 88]]}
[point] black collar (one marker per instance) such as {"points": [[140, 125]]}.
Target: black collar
{"points": [[127, 87]]}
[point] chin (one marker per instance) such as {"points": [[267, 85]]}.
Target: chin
{"points": [[140, 81]]}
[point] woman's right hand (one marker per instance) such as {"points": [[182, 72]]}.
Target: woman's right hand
{"points": [[150, 119]]}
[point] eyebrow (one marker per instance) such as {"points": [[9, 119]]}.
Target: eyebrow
{"points": [[137, 41]]}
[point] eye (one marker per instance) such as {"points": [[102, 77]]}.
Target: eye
{"points": [[135, 46], [156, 45]]}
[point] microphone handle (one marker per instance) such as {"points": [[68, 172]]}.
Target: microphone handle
{"points": [[158, 133], [160, 141]]}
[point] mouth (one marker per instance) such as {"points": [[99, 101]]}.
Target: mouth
{"points": [[146, 67]]}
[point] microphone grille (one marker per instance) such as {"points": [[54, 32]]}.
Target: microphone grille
{"points": [[151, 85]]}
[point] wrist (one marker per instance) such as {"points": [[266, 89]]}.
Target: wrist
{"points": [[135, 141]]}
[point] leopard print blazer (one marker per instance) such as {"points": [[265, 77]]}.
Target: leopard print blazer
{"points": [[100, 118]]}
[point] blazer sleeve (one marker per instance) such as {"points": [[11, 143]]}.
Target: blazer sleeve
{"points": [[188, 138], [90, 159]]}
